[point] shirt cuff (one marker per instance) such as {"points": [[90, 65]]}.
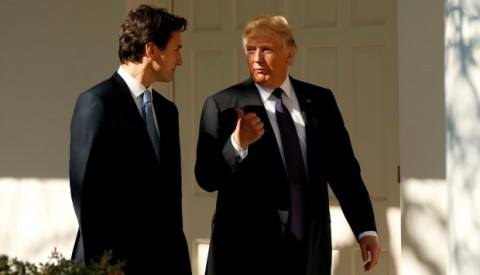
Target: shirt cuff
{"points": [[241, 153], [367, 233]]}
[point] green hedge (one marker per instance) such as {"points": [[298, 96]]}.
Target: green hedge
{"points": [[58, 265]]}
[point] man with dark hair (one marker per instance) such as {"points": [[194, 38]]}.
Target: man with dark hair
{"points": [[125, 170]]}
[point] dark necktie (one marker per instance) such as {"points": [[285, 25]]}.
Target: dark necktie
{"points": [[147, 114], [294, 164]]}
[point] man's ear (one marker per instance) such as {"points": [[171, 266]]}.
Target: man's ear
{"points": [[290, 56], [149, 49]]}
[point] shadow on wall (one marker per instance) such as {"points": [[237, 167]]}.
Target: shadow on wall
{"points": [[462, 70]]}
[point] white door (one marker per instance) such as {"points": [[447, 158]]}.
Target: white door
{"points": [[348, 46]]}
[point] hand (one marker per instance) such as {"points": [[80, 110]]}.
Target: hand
{"points": [[249, 128], [370, 247]]}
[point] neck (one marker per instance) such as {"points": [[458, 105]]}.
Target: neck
{"points": [[139, 72]]}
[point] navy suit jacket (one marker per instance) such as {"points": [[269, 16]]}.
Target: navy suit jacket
{"points": [[246, 231], [125, 199]]}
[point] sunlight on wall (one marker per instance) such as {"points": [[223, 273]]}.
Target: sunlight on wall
{"points": [[342, 238], [36, 216], [394, 229], [341, 233], [200, 256], [462, 85], [424, 211], [335, 261]]}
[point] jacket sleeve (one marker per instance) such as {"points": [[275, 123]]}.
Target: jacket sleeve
{"points": [[345, 175], [87, 120], [216, 160]]}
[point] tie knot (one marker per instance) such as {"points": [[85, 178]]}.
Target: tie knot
{"points": [[278, 93], [146, 96]]}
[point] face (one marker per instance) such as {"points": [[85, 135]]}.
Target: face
{"points": [[164, 62], [267, 60]]}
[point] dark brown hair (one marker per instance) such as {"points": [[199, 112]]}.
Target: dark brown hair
{"points": [[145, 24]]}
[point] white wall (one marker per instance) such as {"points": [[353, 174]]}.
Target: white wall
{"points": [[462, 81], [422, 136], [50, 51], [439, 88]]}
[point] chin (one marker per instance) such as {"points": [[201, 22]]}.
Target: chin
{"points": [[165, 79], [259, 80]]}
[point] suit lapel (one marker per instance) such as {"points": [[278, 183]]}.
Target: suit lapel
{"points": [[128, 103], [162, 114], [248, 87], [304, 100], [129, 115], [266, 147], [306, 103]]}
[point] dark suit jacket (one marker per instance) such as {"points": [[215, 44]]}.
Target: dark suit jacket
{"points": [[246, 230], [124, 198]]}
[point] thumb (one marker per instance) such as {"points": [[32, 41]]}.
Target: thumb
{"points": [[240, 113]]}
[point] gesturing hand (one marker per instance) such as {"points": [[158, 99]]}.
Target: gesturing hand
{"points": [[249, 128]]}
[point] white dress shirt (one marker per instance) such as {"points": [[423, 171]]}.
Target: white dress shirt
{"points": [[137, 89], [291, 102]]}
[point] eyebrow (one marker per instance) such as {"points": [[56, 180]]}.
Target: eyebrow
{"points": [[260, 45]]}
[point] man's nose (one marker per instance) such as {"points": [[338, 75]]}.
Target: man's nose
{"points": [[180, 59], [258, 56]]}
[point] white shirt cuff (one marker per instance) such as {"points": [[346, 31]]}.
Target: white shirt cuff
{"points": [[241, 153], [367, 233]]}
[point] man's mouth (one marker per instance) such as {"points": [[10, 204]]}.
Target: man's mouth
{"points": [[260, 70]]}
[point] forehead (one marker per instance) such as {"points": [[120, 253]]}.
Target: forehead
{"points": [[175, 40], [264, 39]]}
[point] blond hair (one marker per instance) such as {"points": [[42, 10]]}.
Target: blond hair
{"points": [[270, 25]]}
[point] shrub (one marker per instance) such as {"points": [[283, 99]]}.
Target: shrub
{"points": [[58, 265]]}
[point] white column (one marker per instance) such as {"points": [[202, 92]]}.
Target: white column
{"points": [[462, 81]]}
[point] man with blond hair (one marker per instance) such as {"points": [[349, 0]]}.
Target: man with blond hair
{"points": [[270, 146]]}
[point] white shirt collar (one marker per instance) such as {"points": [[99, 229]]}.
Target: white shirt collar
{"points": [[286, 86], [136, 88]]}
